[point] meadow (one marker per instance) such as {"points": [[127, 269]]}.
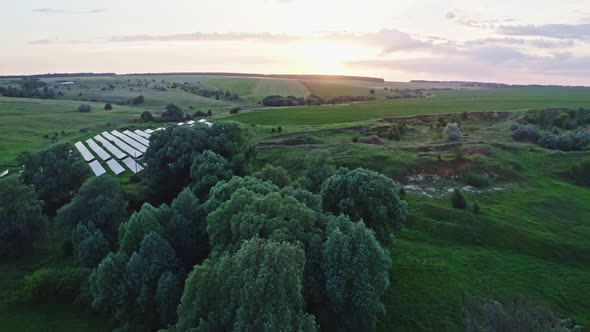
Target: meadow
{"points": [[529, 240]]}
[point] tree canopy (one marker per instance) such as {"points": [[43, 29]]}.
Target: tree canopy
{"points": [[55, 172], [258, 288], [367, 195], [21, 217]]}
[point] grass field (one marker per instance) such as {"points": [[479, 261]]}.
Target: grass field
{"points": [[24, 122], [442, 102], [268, 87]]}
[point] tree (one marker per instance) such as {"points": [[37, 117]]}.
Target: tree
{"points": [[108, 107], [146, 116], [316, 171], [458, 199], [100, 202], [452, 132], [141, 223], [207, 169], [167, 297], [173, 113], [580, 173], [107, 285], [247, 215], [366, 195], [138, 100], [372, 91], [84, 108], [90, 246], [185, 227], [223, 190], [21, 217], [55, 172], [256, 289], [356, 275], [274, 174]]}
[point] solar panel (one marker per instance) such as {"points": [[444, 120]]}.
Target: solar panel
{"points": [[208, 123], [129, 141], [3, 174], [180, 123], [112, 149], [149, 131], [142, 133], [132, 165], [190, 122], [97, 149], [129, 150], [84, 151], [161, 128], [115, 167], [202, 120], [136, 137], [97, 168]]}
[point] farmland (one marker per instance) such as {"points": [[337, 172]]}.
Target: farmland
{"points": [[529, 239]]}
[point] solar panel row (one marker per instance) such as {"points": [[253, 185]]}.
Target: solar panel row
{"points": [[136, 137], [129, 150], [97, 168], [115, 167], [84, 151], [142, 133], [133, 165], [97, 149], [112, 149], [130, 141]]}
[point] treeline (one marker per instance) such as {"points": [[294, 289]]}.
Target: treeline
{"points": [[276, 100], [29, 88], [497, 85]]}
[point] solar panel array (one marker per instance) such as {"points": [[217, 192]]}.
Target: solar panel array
{"points": [[125, 147]]}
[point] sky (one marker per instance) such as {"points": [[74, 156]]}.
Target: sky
{"points": [[522, 42]]}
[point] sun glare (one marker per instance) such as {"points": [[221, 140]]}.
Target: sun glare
{"points": [[326, 58]]}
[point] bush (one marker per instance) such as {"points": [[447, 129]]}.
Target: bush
{"points": [[524, 133], [138, 100], [108, 107], [234, 110], [580, 173], [452, 132], [458, 153], [458, 199], [55, 285], [355, 139], [84, 108], [146, 116], [478, 180], [476, 207]]}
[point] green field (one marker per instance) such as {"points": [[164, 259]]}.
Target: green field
{"points": [[25, 122], [268, 87], [443, 102]]}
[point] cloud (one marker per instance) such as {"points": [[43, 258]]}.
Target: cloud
{"points": [[65, 11], [491, 40], [201, 36], [483, 24], [450, 15], [388, 40], [559, 31]]}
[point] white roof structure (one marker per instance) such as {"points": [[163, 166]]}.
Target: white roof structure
{"points": [[129, 150], [136, 137], [97, 168], [202, 120], [161, 128], [149, 131], [190, 122], [84, 151], [3, 174], [98, 150], [112, 149], [180, 123], [130, 141], [142, 133], [208, 123], [115, 167], [133, 165]]}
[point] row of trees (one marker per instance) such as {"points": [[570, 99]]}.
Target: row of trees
{"points": [[278, 101], [29, 88]]}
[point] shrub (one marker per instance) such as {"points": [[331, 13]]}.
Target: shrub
{"points": [[138, 100], [476, 207], [146, 116], [55, 285], [84, 108], [452, 132], [355, 139], [478, 180], [458, 199], [524, 133], [580, 173], [108, 107], [234, 110], [459, 153]]}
